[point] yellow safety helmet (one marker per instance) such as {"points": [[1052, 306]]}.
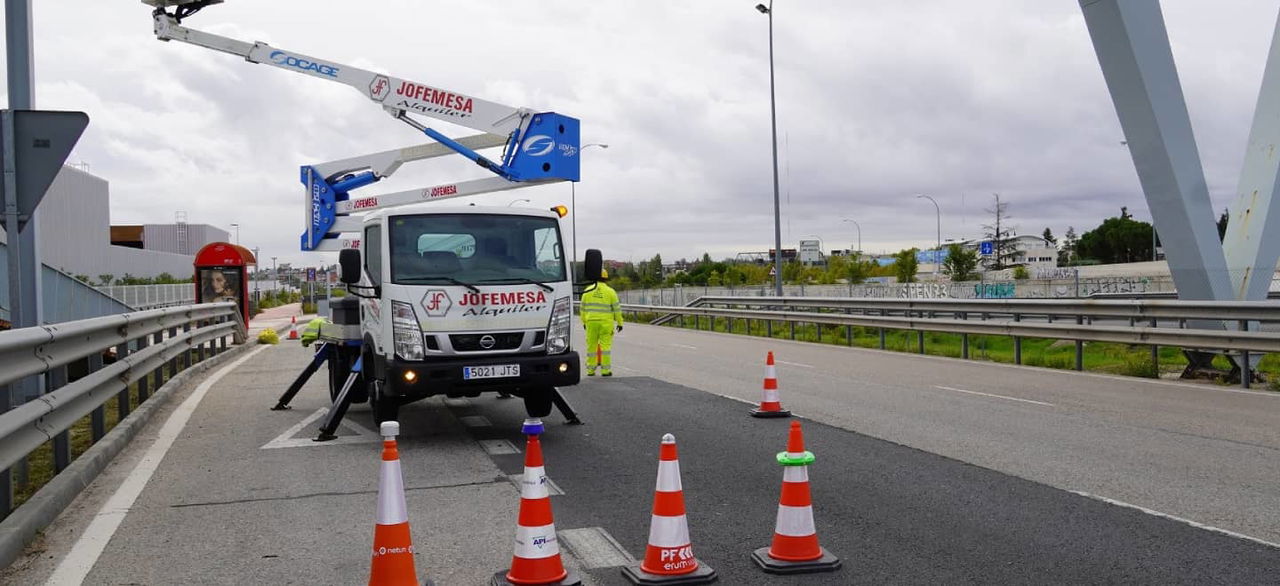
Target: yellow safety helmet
{"points": [[604, 274]]}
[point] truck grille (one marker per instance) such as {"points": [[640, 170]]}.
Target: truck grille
{"points": [[471, 342]]}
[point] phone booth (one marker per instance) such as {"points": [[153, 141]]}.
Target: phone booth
{"points": [[222, 274]]}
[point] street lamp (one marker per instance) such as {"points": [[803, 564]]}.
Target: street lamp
{"points": [[773, 115], [573, 205], [855, 225], [237, 227], [516, 201], [937, 254], [275, 275]]}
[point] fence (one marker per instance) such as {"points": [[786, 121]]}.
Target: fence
{"points": [[152, 296], [144, 343], [1206, 326]]}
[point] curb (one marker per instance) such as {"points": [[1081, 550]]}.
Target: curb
{"points": [[29, 519]]}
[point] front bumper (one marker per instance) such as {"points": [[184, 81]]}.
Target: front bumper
{"points": [[444, 376]]}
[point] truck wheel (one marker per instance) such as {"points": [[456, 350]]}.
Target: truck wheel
{"points": [[537, 402], [384, 408]]}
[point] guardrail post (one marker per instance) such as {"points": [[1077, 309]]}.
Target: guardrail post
{"points": [[1017, 343], [882, 313], [6, 476], [1079, 346], [98, 418], [157, 339], [186, 353], [122, 399], [173, 362], [848, 330], [1155, 351], [1245, 371], [55, 379], [793, 329], [146, 377], [964, 339], [920, 340], [769, 328]]}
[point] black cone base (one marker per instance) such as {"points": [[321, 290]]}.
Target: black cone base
{"points": [[703, 575], [570, 579], [826, 563], [758, 413]]}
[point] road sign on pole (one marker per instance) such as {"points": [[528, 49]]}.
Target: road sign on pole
{"points": [[987, 248], [42, 140]]}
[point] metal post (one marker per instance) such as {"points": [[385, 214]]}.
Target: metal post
{"points": [[1155, 353], [122, 399], [98, 417], [920, 340], [173, 362], [158, 377], [777, 208], [882, 313], [57, 378], [1017, 343], [1246, 371], [146, 378], [793, 329], [1079, 346]]}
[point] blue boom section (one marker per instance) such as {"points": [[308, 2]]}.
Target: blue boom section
{"points": [[547, 150]]}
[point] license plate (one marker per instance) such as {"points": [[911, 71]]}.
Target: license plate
{"points": [[498, 371]]}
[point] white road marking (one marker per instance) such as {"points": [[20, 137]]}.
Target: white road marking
{"points": [[75, 567], [1174, 518], [474, 421], [363, 435], [686, 346], [794, 364], [498, 447], [553, 489], [595, 548], [995, 396]]}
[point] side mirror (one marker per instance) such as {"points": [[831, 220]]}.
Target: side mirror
{"points": [[349, 266], [591, 265]]}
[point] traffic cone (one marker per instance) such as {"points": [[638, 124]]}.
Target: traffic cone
{"points": [[769, 405], [392, 548], [537, 553], [669, 557], [795, 548]]}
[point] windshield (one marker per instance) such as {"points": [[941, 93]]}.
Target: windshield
{"points": [[475, 249]]}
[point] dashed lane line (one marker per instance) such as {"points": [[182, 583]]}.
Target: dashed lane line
{"points": [[994, 396]]}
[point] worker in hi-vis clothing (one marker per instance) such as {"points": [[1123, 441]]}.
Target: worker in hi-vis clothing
{"points": [[600, 313]]}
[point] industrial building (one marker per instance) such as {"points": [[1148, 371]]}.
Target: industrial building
{"points": [[76, 237]]}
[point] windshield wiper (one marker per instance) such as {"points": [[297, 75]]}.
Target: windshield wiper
{"points": [[522, 280], [473, 288]]}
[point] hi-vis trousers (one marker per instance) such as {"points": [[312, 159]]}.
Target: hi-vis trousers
{"points": [[599, 343]]}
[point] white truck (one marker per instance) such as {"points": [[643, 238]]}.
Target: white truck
{"points": [[453, 299]]}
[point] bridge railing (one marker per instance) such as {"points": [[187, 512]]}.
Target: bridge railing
{"points": [[151, 296], [85, 364], [1211, 326]]}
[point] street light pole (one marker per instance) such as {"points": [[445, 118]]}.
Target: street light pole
{"points": [[773, 116], [573, 206], [855, 225], [237, 227], [937, 254]]}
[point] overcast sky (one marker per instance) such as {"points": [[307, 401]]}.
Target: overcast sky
{"points": [[877, 102]]}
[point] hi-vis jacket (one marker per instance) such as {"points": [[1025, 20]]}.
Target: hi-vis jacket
{"points": [[600, 305]]}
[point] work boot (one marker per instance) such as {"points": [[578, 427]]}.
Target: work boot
{"points": [[607, 373], [591, 372]]}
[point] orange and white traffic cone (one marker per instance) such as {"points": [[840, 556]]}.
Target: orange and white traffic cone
{"points": [[537, 552], [669, 557], [795, 548], [769, 405], [392, 547], [293, 327]]}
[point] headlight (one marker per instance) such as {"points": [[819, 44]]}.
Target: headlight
{"points": [[558, 329], [405, 330]]}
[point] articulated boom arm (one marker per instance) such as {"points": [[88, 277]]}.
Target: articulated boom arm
{"points": [[539, 147]]}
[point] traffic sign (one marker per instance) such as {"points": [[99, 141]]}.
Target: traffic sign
{"points": [[773, 271], [987, 248], [311, 274], [42, 140]]}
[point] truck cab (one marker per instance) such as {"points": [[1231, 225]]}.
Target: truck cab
{"points": [[462, 300]]}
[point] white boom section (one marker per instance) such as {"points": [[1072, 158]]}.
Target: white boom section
{"points": [[433, 193], [394, 94], [385, 163]]}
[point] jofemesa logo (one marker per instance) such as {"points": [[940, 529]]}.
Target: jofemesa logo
{"points": [[538, 145], [282, 58]]}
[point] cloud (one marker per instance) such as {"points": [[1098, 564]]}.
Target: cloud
{"points": [[876, 102]]}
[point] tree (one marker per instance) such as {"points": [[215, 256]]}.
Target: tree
{"points": [[1020, 272], [1048, 236], [1000, 235], [1067, 254], [106, 279], [1222, 224], [961, 263], [905, 265], [1117, 240]]}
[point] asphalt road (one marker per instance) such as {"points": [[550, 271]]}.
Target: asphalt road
{"points": [[928, 471], [1197, 451]]}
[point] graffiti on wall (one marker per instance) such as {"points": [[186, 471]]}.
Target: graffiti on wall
{"points": [[994, 290], [1112, 285]]}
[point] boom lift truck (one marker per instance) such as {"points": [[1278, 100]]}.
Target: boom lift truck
{"points": [[452, 300]]}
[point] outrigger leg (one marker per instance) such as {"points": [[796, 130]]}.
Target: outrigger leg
{"points": [[340, 405], [321, 355]]}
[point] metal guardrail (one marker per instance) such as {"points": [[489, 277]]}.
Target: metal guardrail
{"points": [[1199, 324], [151, 296], [143, 342]]}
